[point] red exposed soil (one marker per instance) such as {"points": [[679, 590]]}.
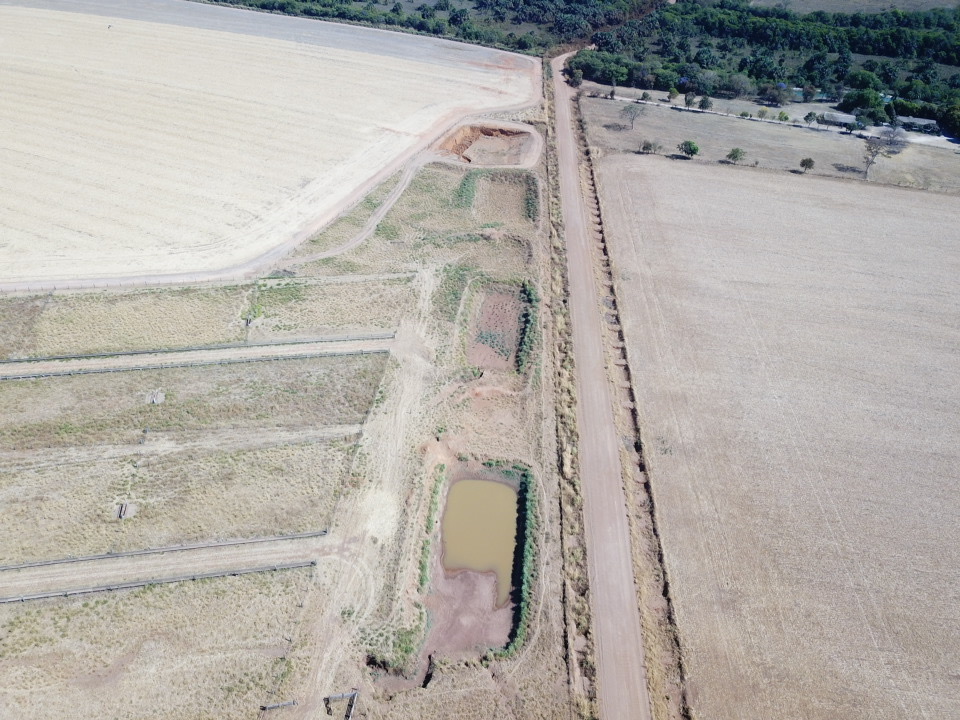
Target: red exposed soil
{"points": [[492, 343], [488, 145]]}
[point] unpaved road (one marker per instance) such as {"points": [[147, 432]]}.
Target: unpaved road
{"points": [[251, 353], [621, 669], [110, 571]]}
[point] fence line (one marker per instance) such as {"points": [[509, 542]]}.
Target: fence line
{"points": [[168, 549], [168, 366], [196, 348], [156, 581]]}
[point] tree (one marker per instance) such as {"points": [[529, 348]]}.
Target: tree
{"points": [[576, 78], [873, 149], [810, 118], [645, 95], [650, 147], [762, 113], [631, 112], [807, 164], [736, 155], [689, 99], [672, 93], [783, 117], [688, 148], [705, 103]]}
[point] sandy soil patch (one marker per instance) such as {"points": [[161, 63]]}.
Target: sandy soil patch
{"points": [[796, 383], [495, 331], [192, 150], [488, 144], [771, 145], [168, 651]]}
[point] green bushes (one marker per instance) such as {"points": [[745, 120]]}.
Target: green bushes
{"points": [[529, 331], [524, 557], [466, 191]]}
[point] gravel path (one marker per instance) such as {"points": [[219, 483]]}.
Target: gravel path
{"points": [[621, 668]]}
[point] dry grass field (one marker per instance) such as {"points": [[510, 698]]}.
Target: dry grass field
{"points": [[207, 150], [296, 308], [796, 352], [145, 654], [75, 323], [115, 408], [773, 145], [194, 495], [436, 222]]}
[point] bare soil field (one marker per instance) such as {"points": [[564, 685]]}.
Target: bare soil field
{"points": [[796, 354], [778, 146], [207, 153], [144, 654], [75, 323]]}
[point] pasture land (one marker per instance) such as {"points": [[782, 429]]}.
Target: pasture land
{"points": [[211, 648], [210, 150], [779, 146], [796, 356]]}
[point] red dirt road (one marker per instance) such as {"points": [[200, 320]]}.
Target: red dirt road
{"points": [[621, 669]]}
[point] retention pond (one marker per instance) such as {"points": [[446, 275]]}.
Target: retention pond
{"points": [[479, 531]]}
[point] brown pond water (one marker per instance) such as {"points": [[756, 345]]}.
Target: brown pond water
{"points": [[479, 530]]}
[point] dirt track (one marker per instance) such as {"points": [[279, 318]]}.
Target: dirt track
{"points": [[621, 668], [50, 578]]}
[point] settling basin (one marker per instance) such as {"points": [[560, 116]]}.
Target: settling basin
{"points": [[479, 530]]}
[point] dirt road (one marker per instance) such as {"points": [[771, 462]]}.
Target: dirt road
{"points": [[160, 359], [110, 571], [621, 670]]}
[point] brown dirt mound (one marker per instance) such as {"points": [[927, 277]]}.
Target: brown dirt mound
{"points": [[487, 145]]}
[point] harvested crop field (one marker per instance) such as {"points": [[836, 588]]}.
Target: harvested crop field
{"points": [[208, 151], [796, 357], [143, 653]]}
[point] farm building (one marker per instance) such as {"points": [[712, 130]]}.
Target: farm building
{"points": [[837, 118], [920, 125]]}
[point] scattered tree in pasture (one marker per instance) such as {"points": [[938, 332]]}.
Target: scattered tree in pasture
{"points": [[689, 99], [672, 94], [645, 95], [807, 164], [688, 148], [810, 118], [631, 112], [705, 103], [650, 147], [762, 113], [783, 117], [736, 155]]}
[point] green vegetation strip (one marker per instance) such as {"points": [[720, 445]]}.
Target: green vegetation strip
{"points": [[525, 555], [529, 329], [439, 480]]}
